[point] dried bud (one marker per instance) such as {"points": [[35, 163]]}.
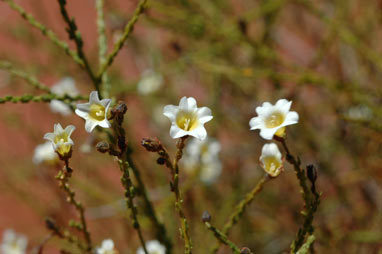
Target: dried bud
{"points": [[103, 147], [151, 145], [245, 250], [50, 224], [206, 217], [242, 26], [161, 160], [311, 173]]}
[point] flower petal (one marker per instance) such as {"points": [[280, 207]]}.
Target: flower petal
{"points": [[69, 129], [49, 136], [291, 118], [199, 133], [183, 103], [58, 128], [85, 107], [268, 133], [176, 132], [93, 98], [283, 105], [90, 125], [191, 104], [170, 111], [256, 123], [204, 114], [104, 124], [81, 113], [105, 102]]}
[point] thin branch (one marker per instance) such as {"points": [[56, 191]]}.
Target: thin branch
{"points": [[119, 44], [75, 35], [240, 208], [40, 98], [310, 196], [63, 178], [160, 229], [102, 45], [223, 238], [45, 31], [164, 159], [30, 79]]}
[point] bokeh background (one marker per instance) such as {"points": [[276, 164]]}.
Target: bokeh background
{"points": [[325, 56]]}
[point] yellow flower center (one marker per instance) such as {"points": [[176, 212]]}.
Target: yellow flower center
{"points": [[97, 112], [187, 121], [61, 138], [274, 120], [271, 165]]}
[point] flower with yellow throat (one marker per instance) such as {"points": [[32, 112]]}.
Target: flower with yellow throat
{"points": [[187, 119], [272, 119], [271, 159], [95, 112], [61, 141]]}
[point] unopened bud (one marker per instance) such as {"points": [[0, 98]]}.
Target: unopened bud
{"points": [[103, 147], [151, 145], [311, 173], [245, 250], [161, 160], [206, 217]]}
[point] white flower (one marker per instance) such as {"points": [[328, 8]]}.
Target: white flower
{"points": [[107, 247], [60, 138], [187, 119], [44, 153], [272, 119], [62, 87], [150, 82], [271, 159], [95, 112], [203, 156], [153, 247], [13, 243]]}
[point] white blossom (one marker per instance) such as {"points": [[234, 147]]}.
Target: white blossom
{"points": [[61, 88], [60, 138], [13, 243], [153, 247], [271, 159], [107, 247], [187, 119], [272, 119], [203, 157], [95, 112], [44, 153], [150, 82]]}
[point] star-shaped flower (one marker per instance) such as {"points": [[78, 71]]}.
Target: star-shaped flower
{"points": [[272, 119], [107, 247], [187, 119], [61, 141], [95, 112]]}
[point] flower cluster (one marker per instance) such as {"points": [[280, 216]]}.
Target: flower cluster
{"points": [[272, 120], [202, 157]]}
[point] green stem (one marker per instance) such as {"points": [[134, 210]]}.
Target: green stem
{"points": [[150, 211], [223, 238], [45, 31], [30, 79], [119, 44], [40, 98], [63, 177], [126, 182], [240, 208], [75, 35], [178, 196], [102, 45], [311, 200]]}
